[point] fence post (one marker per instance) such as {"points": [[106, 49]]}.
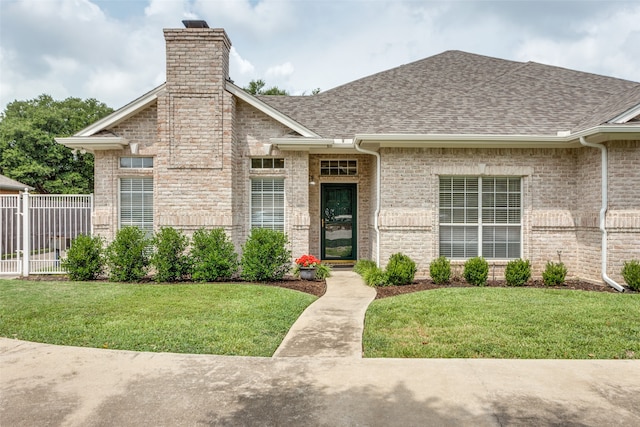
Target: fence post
{"points": [[26, 222]]}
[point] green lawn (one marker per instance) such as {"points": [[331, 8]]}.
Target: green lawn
{"points": [[229, 319], [505, 323]]}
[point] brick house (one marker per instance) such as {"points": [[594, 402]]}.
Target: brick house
{"points": [[456, 155]]}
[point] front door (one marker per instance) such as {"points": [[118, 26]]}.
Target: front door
{"points": [[338, 216]]}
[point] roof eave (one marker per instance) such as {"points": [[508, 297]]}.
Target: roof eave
{"points": [[627, 115], [93, 144], [596, 134], [123, 113]]}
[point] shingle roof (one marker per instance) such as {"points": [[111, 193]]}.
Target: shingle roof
{"points": [[7, 183], [461, 93]]}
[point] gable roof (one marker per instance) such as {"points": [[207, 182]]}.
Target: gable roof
{"points": [[461, 93], [7, 183]]}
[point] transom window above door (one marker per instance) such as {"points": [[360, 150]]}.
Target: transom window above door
{"points": [[338, 167]]}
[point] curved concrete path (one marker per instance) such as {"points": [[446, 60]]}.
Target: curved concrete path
{"points": [[332, 326]]}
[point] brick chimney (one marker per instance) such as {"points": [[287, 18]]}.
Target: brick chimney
{"points": [[191, 113], [197, 58]]}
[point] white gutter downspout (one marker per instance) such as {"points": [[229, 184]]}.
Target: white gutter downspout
{"points": [[603, 212], [376, 227]]}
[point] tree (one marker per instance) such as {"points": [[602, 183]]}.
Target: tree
{"points": [[29, 153], [256, 87]]}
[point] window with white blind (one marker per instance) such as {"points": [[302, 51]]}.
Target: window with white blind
{"points": [[480, 216], [136, 203], [267, 203]]}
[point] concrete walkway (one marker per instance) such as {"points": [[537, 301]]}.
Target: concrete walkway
{"points": [[316, 378], [332, 326]]}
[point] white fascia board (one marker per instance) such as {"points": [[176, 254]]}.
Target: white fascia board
{"points": [[93, 144], [462, 141], [301, 144], [497, 141], [627, 115], [269, 111], [123, 113]]}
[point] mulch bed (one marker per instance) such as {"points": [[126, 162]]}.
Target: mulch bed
{"points": [[427, 284], [318, 287]]}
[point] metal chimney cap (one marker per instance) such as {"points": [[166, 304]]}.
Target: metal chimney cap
{"points": [[195, 24]]}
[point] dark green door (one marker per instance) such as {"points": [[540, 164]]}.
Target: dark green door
{"points": [[339, 228]]}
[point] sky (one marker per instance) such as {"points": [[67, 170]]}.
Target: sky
{"points": [[113, 50]]}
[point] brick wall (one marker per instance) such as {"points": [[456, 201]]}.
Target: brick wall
{"points": [[561, 202]]}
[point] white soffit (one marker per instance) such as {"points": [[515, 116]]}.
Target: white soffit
{"points": [[93, 144]]}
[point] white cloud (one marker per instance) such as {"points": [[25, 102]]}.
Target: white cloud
{"points": [[243, 66], [264, 17], [89, 52], [282, 70], [608, 46]]}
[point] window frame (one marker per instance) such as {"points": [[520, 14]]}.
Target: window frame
{"points": [[273, 225], [340, 165], [143, 224], [479, 208], [143, 159], [267, 163]]}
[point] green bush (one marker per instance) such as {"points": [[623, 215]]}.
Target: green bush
{"points": [[213, 256], [400, 270], [440, 270], [631, 274], [517, 272], [323, 271], [375, 276], [362, 265], [170, 257], [476, 271], [84, 260], [554, 274], [265, 256], [127, 257]]}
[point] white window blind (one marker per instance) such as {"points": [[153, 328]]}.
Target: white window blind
{"points": [[480, 216], [267, 203], [136, 203]]}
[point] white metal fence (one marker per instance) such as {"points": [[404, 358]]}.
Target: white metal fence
{"points": [[37, 230]]}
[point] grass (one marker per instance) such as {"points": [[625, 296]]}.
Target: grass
{"points": [[504, 323], [226, 319]]}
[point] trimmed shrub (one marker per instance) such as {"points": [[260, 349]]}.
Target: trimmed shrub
{"points": [[476, 271], [170, 257], [375, 276], [440, 270], [400, 270], [323, 271], [127, 257], [362, 265], [517, 272], [265, 256], [554, 274], [213, 256], [631, 274], [84, 260]]}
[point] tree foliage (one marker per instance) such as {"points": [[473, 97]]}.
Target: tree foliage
{"points": [[257, 87], [29, 153]]}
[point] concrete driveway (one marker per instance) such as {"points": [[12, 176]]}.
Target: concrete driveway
{"points": [[316, 378]]}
